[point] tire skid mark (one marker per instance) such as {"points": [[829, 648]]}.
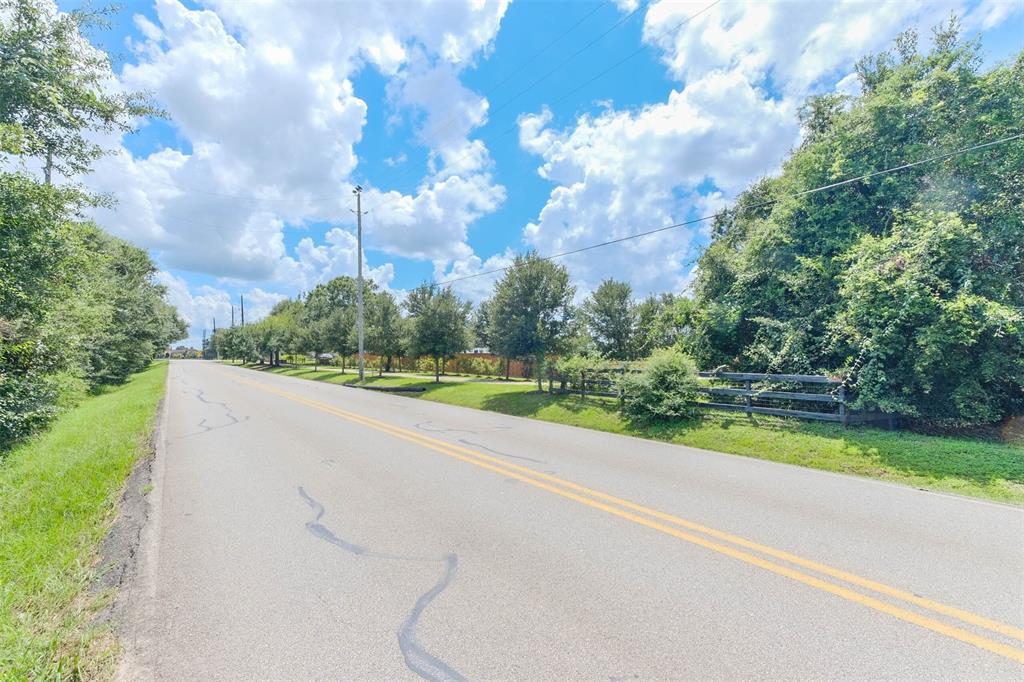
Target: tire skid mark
{"points": [[499, 452], [322, 531], [422, 427], [228, 413], [417, 659]]}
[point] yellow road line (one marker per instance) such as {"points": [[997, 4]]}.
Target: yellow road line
{"points": [[530, 476]]}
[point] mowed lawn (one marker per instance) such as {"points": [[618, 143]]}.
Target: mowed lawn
{"points": [[58, 497], [979, 468]]}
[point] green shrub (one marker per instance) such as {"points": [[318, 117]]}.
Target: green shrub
{"points": [[571, 368], [479, 366], [664, 388]]}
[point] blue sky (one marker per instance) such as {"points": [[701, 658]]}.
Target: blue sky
{"points": [[470, 145]]}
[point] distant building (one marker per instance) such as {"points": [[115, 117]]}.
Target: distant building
{"points": [[183, 352]]}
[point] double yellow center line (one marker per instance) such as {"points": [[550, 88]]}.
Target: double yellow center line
{"points": [[709, 538]]}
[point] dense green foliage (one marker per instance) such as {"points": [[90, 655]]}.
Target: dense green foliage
{"points": [[439, 324], [386, 334], [613, 320], [910, 285], [531, 310], [665, 388], [321, 322], [54, 87], [78, 308]]}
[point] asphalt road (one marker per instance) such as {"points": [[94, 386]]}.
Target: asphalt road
{"points": [[308, 531]]}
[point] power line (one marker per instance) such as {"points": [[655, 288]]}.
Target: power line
{"points": [[694, 221], [451, 119], [514, 127], [529, 61], [632, 54], [454, 164], [565, 61], [503, 133]]}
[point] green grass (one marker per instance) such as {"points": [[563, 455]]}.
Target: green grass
{"points": [[331, 375], [58, 495], [978, 468]]}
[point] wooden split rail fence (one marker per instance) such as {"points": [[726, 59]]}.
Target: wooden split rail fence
{"points": [[784, 395], [833, 394]]}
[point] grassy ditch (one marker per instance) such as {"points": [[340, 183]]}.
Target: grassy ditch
{"points": [[975, 467], [58, 497]]}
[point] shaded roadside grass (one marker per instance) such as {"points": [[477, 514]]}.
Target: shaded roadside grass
{"points": [[965, 466], [58, 496]]}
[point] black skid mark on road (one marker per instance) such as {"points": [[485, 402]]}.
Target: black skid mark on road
{"points": [[422, 427], [499, 452], [323, 532], [419, 660], [228, 414]]}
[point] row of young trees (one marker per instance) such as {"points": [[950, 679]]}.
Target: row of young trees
{"points": [[909, 286], [530, 316], [78, 307]]}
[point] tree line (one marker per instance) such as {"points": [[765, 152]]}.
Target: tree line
{"points": [[908, 286], [79, 308]]}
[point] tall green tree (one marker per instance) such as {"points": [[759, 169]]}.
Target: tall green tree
{"points": [[440, 324], [57, 88], [480, 323], [77, 307], [612, 318], [383, 328], [664, 321], [532, 310], [330, 316]]}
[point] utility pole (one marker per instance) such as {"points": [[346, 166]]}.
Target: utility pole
{"points": [[232, 315], [358, 191], [241, 304]]}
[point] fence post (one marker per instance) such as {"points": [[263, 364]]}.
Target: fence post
{"points": [[746, 399], [551, 388], [583, 383], [843, 417], [622, 375]]}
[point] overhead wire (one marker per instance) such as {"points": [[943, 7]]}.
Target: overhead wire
{"points": [[455, 163], [451, 119], [515, 126], [472, 152], [694, 221]]}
